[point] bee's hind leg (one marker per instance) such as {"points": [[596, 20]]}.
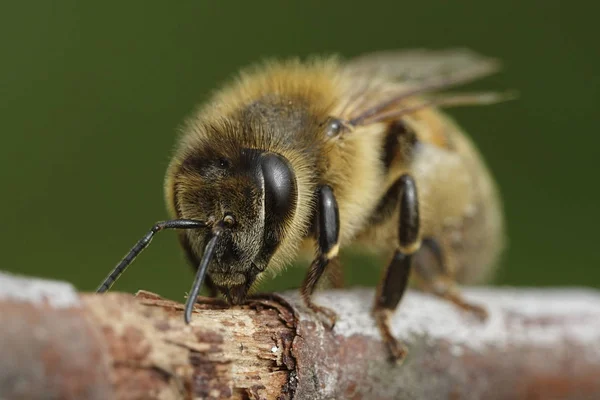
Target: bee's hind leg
{"points": [[432, 278], [328, 230], [395, 280]]}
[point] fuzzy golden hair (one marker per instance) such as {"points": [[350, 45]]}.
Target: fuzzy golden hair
{"points": [[285, 104], [311, 87]]}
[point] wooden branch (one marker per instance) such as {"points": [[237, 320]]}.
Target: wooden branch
{"points": [[56, 343]]}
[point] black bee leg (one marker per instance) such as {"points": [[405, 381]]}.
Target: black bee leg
{"points": [[328, 230], [433, 277], [395, 280]]}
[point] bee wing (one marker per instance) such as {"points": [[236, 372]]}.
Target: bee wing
{"points": [[384, 82]]}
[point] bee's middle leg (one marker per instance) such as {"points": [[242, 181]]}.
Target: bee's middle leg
{"points": [[328, 230], [395, 280]]}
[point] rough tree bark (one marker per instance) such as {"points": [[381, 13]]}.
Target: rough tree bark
{"points": [[57, 344]]}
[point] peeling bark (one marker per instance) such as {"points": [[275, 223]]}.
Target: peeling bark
{"points": [[58, 344]]}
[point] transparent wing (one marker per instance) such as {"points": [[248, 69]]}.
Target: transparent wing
{"points": [[386, 84], [421, 65]]}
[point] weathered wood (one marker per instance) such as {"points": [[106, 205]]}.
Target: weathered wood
{"points": [[55, 343]]}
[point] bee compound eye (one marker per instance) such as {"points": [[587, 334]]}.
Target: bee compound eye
{"points": [[281, 191]]}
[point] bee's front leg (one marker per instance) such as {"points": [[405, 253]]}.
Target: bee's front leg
{"points": [[393, 285], [328, 231], [336, 274]]}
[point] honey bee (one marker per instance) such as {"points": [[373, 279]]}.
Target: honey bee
{"points": [[324, 154]]}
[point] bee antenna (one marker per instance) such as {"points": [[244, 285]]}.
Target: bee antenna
{"points": [[142, 244], [209, 251]]}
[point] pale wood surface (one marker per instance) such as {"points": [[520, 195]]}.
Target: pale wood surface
{"points": [[56, 343]]}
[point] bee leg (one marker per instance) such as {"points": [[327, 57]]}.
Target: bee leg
{"points": [[336, 274], [395, 280], [328, 230], [432, 277]]}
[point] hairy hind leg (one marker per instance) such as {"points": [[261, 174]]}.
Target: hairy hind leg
{"points": [[432, 277]]}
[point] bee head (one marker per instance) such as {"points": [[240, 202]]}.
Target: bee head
{"points": [[253, 195]]}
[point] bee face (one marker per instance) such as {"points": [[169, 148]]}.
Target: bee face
{"points": [[252, 193]]}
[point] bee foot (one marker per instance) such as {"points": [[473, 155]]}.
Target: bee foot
{"points": [[479, 312], [397, 351], [327, 316]]}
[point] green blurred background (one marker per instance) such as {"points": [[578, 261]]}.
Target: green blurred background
{"points": [[91, 94]]}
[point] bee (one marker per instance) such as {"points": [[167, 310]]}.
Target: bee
{"points": [[325, 154]]}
